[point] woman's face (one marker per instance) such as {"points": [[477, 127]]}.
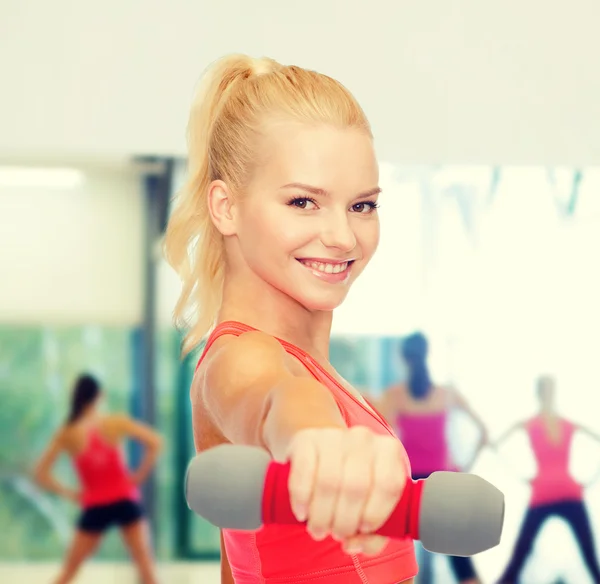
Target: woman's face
{"points": [[308, 224]]}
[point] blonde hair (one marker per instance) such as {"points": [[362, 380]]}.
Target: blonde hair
{"points": [[236, 95]]}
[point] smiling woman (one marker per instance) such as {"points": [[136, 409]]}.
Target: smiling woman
{"points": [[279, 225], [276, 221]]}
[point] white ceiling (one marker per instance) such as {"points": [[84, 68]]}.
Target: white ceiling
{"points": [[464, 81]]}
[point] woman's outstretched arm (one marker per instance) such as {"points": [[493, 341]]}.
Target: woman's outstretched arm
{"points": [[589, 433], [506, 435], [255, 396]]}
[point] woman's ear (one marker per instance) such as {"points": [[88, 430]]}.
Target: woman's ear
{"points": [[220, 207]]}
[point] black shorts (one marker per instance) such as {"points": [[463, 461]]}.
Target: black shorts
{"points": [[101, 517]]}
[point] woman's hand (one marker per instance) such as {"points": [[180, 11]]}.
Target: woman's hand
{"points": [[345, 483]]}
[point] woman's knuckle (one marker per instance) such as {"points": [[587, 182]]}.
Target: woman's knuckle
{"points": [[357, 487], [392, 486], [299, 491], [328, 483]]}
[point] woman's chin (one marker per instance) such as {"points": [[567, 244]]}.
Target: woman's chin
{"points": [[321, 302]]}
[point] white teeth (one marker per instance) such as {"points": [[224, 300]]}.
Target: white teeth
{"points": [[327, 268]]}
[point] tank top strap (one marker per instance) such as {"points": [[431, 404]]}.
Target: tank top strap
{"points": [[230, 327], [235, 328]]}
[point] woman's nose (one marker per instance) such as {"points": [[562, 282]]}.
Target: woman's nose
{"points": [[338, 233]]}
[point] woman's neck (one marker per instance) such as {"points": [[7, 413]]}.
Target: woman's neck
{"points": [[89, 416], [257, 304], [548, 412]]}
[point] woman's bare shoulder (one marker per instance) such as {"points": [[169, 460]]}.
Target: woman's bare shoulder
{"points": [[114, 418], [251, 353], [234, 364], [115, 424]]}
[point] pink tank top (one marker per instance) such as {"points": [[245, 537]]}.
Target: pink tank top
{"points": [[287, 554], [103, 473], [424, 438], [552, 483]]}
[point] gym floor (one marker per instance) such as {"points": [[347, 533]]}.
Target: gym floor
{"points": [[112, 573]]}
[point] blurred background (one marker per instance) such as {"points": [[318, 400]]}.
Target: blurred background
{"points": [[487, 123]]}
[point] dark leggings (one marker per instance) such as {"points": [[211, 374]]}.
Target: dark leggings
{"points": [[462, 568], [575, 514]]}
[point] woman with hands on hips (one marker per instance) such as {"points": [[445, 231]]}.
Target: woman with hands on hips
{"points": [[277, 219], [420, 410], [554, 492], [108, 491]]}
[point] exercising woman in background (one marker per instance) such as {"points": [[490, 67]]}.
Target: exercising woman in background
{"points": [[420, 409], [554, 492], [108, 491]]}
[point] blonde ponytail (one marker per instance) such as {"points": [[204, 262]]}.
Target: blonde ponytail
{"points": [[236, 94]]}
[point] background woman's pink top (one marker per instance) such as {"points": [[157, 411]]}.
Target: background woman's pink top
{"points": [[553, 482]]}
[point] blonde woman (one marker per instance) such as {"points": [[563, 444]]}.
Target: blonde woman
{"points": [[278, 218]]}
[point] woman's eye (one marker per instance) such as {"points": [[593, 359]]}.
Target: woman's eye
{"points": [[302, 202], [365, 207]]}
